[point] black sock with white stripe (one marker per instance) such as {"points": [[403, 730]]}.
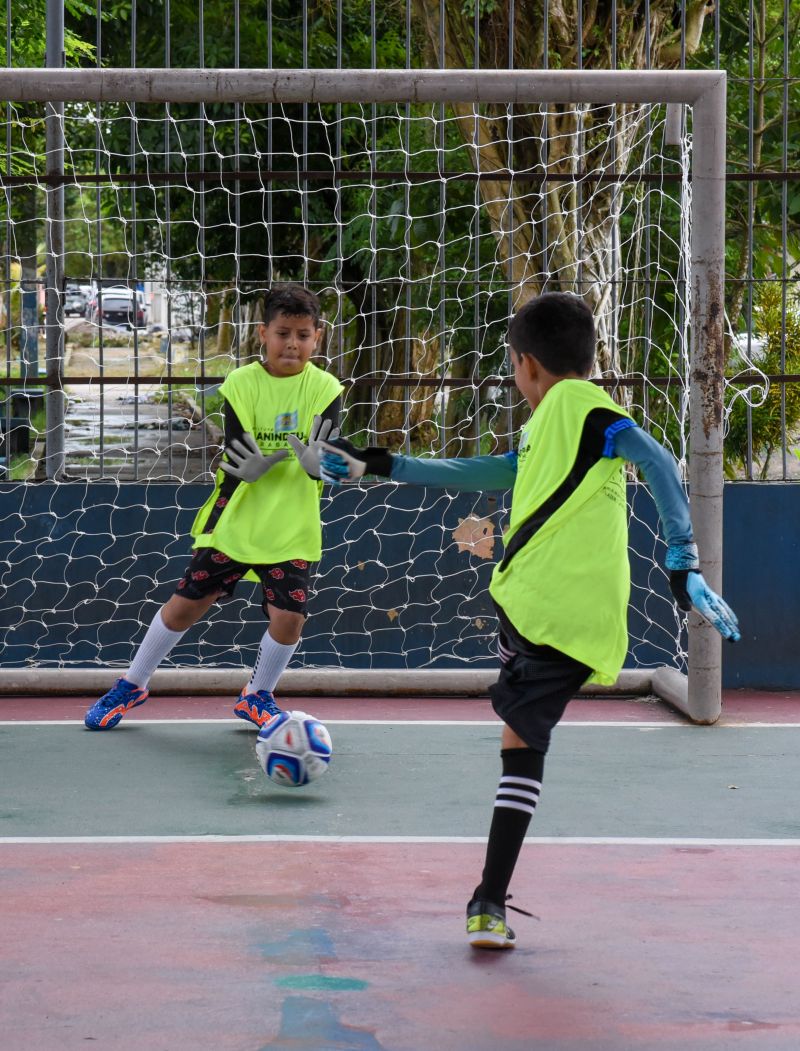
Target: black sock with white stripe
{"points": [[514, 806]]}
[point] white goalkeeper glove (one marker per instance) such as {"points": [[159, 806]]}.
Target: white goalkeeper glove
{"points": [[309, 455], [248, 463]]}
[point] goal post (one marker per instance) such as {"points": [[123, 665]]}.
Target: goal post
{"points": [[697, 694]]}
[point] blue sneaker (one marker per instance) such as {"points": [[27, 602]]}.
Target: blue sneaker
{"points": [[257, 708], [107, 712]]}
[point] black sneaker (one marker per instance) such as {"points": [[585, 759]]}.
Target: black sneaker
{"points": [[486, 926]]}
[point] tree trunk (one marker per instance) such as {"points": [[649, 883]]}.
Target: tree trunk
{"points": [[558, 234]]}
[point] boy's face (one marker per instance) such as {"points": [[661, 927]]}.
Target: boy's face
{"points": [[288, 341]]}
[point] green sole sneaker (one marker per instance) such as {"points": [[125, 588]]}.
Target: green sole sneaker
{"points": [[487, 928]]}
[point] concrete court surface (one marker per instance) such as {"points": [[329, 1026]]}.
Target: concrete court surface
{"points": [[158, 893]]}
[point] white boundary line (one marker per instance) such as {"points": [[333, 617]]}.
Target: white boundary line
{"points": [[548, 841], [399, 723], [241, 725]]}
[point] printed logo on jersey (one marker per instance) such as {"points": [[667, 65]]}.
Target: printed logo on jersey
{"points": [[523, 450], [286, 421]]}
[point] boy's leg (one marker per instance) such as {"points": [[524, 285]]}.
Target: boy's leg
{"points": [[167, 628], [209, 576], [286, 587], [514, 806], [277, 646], [530, 696]]}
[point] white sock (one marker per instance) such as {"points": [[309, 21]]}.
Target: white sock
{"points": [[154, 647], [270, 664]]}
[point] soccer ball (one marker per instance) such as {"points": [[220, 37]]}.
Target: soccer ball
{"points": [[293, 749]]}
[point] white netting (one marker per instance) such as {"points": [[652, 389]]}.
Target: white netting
{"points": [[421, 228]]}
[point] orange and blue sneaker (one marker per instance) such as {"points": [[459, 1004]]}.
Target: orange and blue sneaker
{"points": [[107, 712], [257, 708], [486, 926]]}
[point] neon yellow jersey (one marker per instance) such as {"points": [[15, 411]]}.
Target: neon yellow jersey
{"points": [[277, 517], [568, 585]]}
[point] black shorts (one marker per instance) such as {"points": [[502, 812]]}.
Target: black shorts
{"points": [[533, 690], [286, 585]]}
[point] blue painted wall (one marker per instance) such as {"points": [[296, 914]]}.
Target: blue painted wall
{"points": [[83, 568], [762, 583]]}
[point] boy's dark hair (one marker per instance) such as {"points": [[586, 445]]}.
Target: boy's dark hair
{"points": [[293, 300], [556, 328]]}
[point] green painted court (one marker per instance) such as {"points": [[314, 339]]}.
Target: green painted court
{"points": [[197, 779]]}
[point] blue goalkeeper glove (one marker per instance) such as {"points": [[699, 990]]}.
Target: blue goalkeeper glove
{"points": [[341, 461], [692, 592]]}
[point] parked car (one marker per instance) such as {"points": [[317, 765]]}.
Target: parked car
{"points": [[118, 305], [74, 300]]}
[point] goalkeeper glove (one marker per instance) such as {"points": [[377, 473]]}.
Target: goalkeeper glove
{"points": [[343, 462], [309, 455], [248, 463], [692, 592]]}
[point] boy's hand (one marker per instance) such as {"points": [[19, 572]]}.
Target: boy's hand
{"points": [[691, 591], [343, 462], [247, 461], [309, 455]]}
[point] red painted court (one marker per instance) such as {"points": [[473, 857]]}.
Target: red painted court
{"points": [[158, 894]]}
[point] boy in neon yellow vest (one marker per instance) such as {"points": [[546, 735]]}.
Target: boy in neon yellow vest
{"points": [[244, 530], [561, 590]]}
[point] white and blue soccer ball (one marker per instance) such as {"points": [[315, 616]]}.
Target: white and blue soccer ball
{"points": [[293, 749]]}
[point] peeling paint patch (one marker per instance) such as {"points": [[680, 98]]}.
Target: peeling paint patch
{"points": [[475, 535]]}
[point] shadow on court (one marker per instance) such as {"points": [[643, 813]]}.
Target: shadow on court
{"points": [[253, 943]]}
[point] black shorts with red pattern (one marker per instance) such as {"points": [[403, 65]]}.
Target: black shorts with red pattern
{"points": [[286, 585]]}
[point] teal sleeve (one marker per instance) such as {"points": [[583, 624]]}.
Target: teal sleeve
{"points": [[660, 471], [473, 474]]}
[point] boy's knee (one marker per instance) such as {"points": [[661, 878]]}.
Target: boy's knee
{"points": [[285, 626], [511, 739], [179, 614]]}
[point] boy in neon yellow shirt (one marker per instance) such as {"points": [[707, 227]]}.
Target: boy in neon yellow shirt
{"points": [[262, 521], [561, 590]]}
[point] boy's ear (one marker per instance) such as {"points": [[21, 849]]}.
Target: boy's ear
{"points": [[529, 366], [262, 332]]}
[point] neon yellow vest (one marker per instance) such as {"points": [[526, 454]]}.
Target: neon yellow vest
{"points": [[277, 517], [568, 587]]}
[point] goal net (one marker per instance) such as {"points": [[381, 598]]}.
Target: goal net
{"points": [[139, 239]]}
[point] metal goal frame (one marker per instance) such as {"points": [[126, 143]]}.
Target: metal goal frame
{"points": [[699, 694]]}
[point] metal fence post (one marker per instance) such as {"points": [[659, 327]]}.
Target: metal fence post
{"points": [[54, 247]]}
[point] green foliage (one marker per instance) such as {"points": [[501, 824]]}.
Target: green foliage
{"points": [[766, 426], [352, 237], [763, 134], [485, 7], [28, 24]]}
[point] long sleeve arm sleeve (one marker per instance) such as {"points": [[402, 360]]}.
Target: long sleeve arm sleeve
{"points": [[473, 474], [660, 471], [233, 426]]}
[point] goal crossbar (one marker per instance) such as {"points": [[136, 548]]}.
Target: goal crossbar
{"points": [[358, 85]]}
